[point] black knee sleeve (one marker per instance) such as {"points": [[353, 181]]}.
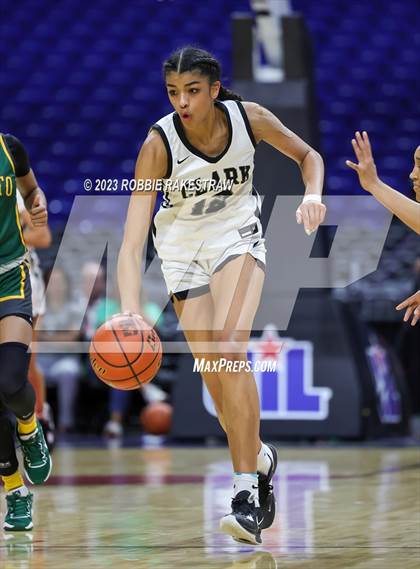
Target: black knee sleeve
{"points": [[8, 460], [15, 390]]}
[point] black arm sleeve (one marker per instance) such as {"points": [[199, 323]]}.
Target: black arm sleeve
{"points": [[19, 155]]}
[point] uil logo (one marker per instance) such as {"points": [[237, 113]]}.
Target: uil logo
{"points": [[286, 392]]}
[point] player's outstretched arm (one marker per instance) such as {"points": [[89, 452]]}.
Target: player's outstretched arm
{"points": [[401, 206], [151, 165], [266, 126]]}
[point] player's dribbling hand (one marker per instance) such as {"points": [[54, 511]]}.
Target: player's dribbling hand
{"points": [[311, 214], [127, 313], [38, 213], [412, 304], [366, 168]]}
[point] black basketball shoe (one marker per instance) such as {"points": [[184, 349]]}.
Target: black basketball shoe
{"points": [[242, 523], [267, 510]]}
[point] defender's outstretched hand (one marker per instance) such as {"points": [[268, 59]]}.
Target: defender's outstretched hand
{"points": [[412, 304], [366, 168]]}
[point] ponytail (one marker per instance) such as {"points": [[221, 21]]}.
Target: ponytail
{"points": [[228, 95]]}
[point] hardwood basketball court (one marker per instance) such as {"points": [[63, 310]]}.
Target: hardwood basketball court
{"points": [[160, 508]]}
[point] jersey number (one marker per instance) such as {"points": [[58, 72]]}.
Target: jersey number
{"points": [[214, 204], [7, 185]]}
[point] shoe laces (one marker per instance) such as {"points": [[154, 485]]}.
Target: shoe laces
{"points": [[265, 490], [34, 448], [242, 505], [18, 505]]}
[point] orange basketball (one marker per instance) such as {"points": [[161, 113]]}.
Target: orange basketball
{"points": [[125, 352], [156, 418]]}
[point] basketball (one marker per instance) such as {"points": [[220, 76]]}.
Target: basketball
{"points": [[156, 418], [125, 352]]}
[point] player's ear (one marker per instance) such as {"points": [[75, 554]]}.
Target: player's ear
{"points": [[214, 90]]}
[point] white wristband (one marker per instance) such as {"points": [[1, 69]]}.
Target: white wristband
{"points": [[312, 198]]}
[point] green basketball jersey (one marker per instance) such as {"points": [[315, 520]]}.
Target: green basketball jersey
{"points": [[12, 244]]}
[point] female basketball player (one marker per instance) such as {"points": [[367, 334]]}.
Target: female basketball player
{"points": [[16, 393], [208, 236], [40, 238], [401, 206]]}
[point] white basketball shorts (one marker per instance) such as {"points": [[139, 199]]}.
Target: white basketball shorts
{"points": [[192, 278]]}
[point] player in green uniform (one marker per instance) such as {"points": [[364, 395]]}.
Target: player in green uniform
{"points": [[17, 396]]}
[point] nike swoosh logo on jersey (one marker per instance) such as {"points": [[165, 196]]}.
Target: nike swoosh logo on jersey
{"points": [[181, 161]]}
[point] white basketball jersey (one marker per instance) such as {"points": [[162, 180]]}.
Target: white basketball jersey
{"points": [[208, 202]]}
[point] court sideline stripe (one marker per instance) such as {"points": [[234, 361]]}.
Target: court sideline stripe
{"points": [[169, 479]]}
